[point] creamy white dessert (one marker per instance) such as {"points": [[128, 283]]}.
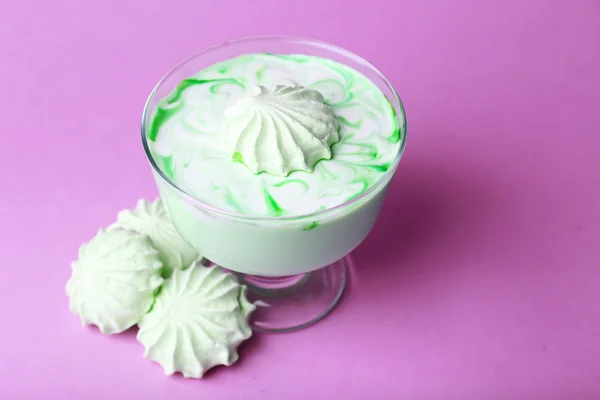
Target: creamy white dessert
{"points": [[320, 133], [287, 156]]}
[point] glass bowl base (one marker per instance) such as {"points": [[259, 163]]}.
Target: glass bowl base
{"points": [[290, 303]]}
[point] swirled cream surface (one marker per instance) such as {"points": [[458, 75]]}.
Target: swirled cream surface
{"points": [[238, 156]]}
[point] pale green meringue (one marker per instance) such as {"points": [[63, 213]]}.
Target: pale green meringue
{"points": [[197, 322], [114, 280], [288, 128], [151, 219]]}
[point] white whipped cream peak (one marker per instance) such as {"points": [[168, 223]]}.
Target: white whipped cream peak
{"points": [[280, 130]]}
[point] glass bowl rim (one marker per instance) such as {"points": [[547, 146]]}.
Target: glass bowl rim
{"points": [[320, 213]]}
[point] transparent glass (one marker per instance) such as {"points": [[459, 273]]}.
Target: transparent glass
{"points": [[295, 275]]}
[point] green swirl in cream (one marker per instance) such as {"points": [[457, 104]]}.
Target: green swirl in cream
{"points": [[186, 136]]}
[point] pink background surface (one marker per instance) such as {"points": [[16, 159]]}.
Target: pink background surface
{"points": [[481, 280]]}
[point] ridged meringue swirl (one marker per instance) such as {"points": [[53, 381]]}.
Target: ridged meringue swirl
{"points": [[114, 280], [197, 322], [288, 128], [151, 219]]}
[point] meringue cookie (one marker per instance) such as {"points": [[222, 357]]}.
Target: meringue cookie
{"points": [[151, 219], [114, 280], [197, 322], [288, 128]]}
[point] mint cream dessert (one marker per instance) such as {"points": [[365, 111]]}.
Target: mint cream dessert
{"points": [[284, 160]]}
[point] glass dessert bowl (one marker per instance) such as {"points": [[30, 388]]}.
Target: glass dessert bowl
{"points": [[294, 263]]}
